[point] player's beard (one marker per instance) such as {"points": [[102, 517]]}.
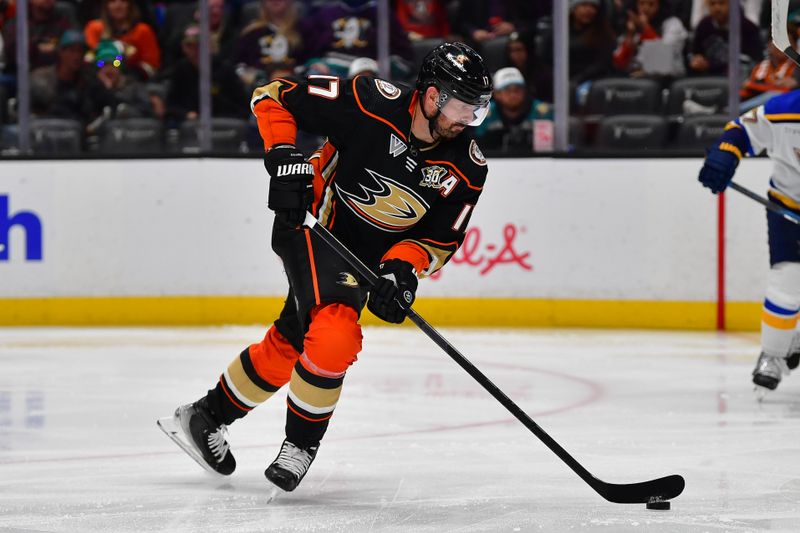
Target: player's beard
{"points": [[441, 131]]}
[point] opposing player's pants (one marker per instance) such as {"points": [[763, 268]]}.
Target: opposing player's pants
{"points": [[311, 345], [779, 317]]}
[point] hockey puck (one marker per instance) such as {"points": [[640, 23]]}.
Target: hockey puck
{"points": [[658, 505]]}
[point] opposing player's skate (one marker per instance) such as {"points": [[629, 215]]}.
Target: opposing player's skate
{"points": [[197, 433], [291, 465], [768, 373]]}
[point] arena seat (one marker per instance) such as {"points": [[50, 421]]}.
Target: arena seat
{"points": [[131, 136], [699, 132], [632, 132], [619, 96], [56, 136], [707, 91], [228, 135], [422, 47]]}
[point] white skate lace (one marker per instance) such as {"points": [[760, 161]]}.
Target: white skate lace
{"points": [[294, 459], [216, 441]]}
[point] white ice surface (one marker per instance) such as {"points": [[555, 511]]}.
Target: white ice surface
{"points": [[415, 445]]}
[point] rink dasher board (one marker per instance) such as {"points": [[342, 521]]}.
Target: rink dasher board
{"points": [[552, 242]]}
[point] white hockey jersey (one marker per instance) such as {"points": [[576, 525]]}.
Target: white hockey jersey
{"points": [[775, 127]]}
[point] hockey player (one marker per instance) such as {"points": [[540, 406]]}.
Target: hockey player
{"points": [[772, 127], [396, 182]]}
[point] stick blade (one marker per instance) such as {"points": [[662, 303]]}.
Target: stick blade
{"points": [[780, 35], [661, 489]]}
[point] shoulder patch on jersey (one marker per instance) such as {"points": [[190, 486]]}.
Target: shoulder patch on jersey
{"points": [[475, 154], [387, 89]]}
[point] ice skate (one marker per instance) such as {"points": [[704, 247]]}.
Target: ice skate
{"points": [[291, 465], [193, 429], [768, 373]]}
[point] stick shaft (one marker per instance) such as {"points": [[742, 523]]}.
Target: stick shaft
{"points": [[454, 354], [772, 206]]}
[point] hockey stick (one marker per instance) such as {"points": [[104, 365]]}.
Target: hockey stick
{"points": [[655, 490], [772, 206], [780, 36]]}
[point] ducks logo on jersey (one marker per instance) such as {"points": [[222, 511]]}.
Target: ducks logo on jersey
{"points": [[387, 205]]}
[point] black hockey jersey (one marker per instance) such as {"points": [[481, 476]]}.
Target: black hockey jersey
{"points": [[383, 194]]}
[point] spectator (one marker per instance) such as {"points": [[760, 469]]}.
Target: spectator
{"points": [[60, 90], [113, 93], [273, 41], [120, 20], [482, 20], [365, 66], [754, 10], [423, 19], [45, 27], [591, 42], [771, 77], [653, 42], [538, 73], [228, 97], [351, 29], [509, 124], [709, 51]]}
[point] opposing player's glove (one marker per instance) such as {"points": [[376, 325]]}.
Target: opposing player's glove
{"points": [[718, 169], [394, 292], [291, 190]]}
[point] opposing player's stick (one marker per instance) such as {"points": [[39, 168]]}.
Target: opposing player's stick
{"points": [[655, 490], [772, 206], [780, 35]]}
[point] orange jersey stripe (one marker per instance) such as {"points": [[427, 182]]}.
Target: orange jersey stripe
{"points": [[376, 117], [313, 265]]}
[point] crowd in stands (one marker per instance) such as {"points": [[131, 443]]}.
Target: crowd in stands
{"points": [[95, 61]]}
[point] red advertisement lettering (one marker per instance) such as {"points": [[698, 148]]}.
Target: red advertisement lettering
{"points": [[476, 253]]}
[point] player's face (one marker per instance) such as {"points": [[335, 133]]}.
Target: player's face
{"points": [[446, 129]]}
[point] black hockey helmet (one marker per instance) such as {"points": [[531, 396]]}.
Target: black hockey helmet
{"points": [[457, 69], [458, 72]]}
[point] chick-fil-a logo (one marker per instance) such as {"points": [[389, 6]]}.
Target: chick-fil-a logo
{"points": [[485, 255]]}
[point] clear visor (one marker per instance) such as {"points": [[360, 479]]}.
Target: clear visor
{"points": [[462, 112]]}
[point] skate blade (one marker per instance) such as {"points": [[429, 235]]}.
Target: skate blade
{"points": [[761, 392], [174, 432], [273, 492]]}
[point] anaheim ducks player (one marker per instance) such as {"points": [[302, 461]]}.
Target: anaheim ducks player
{"points": [[396, 181]]}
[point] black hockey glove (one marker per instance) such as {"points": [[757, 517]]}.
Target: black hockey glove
{"points": [[291, 190], [394, 292]]}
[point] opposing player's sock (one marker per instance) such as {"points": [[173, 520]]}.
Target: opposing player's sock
{"points": [[291, 465], [195, 430], [769, 371]]}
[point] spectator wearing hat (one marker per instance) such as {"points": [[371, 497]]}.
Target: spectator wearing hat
{"points": [[591, 42], [509, 124], [45, 26], [120, 20], [228, 96], [60, 90], [113, 92]]}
